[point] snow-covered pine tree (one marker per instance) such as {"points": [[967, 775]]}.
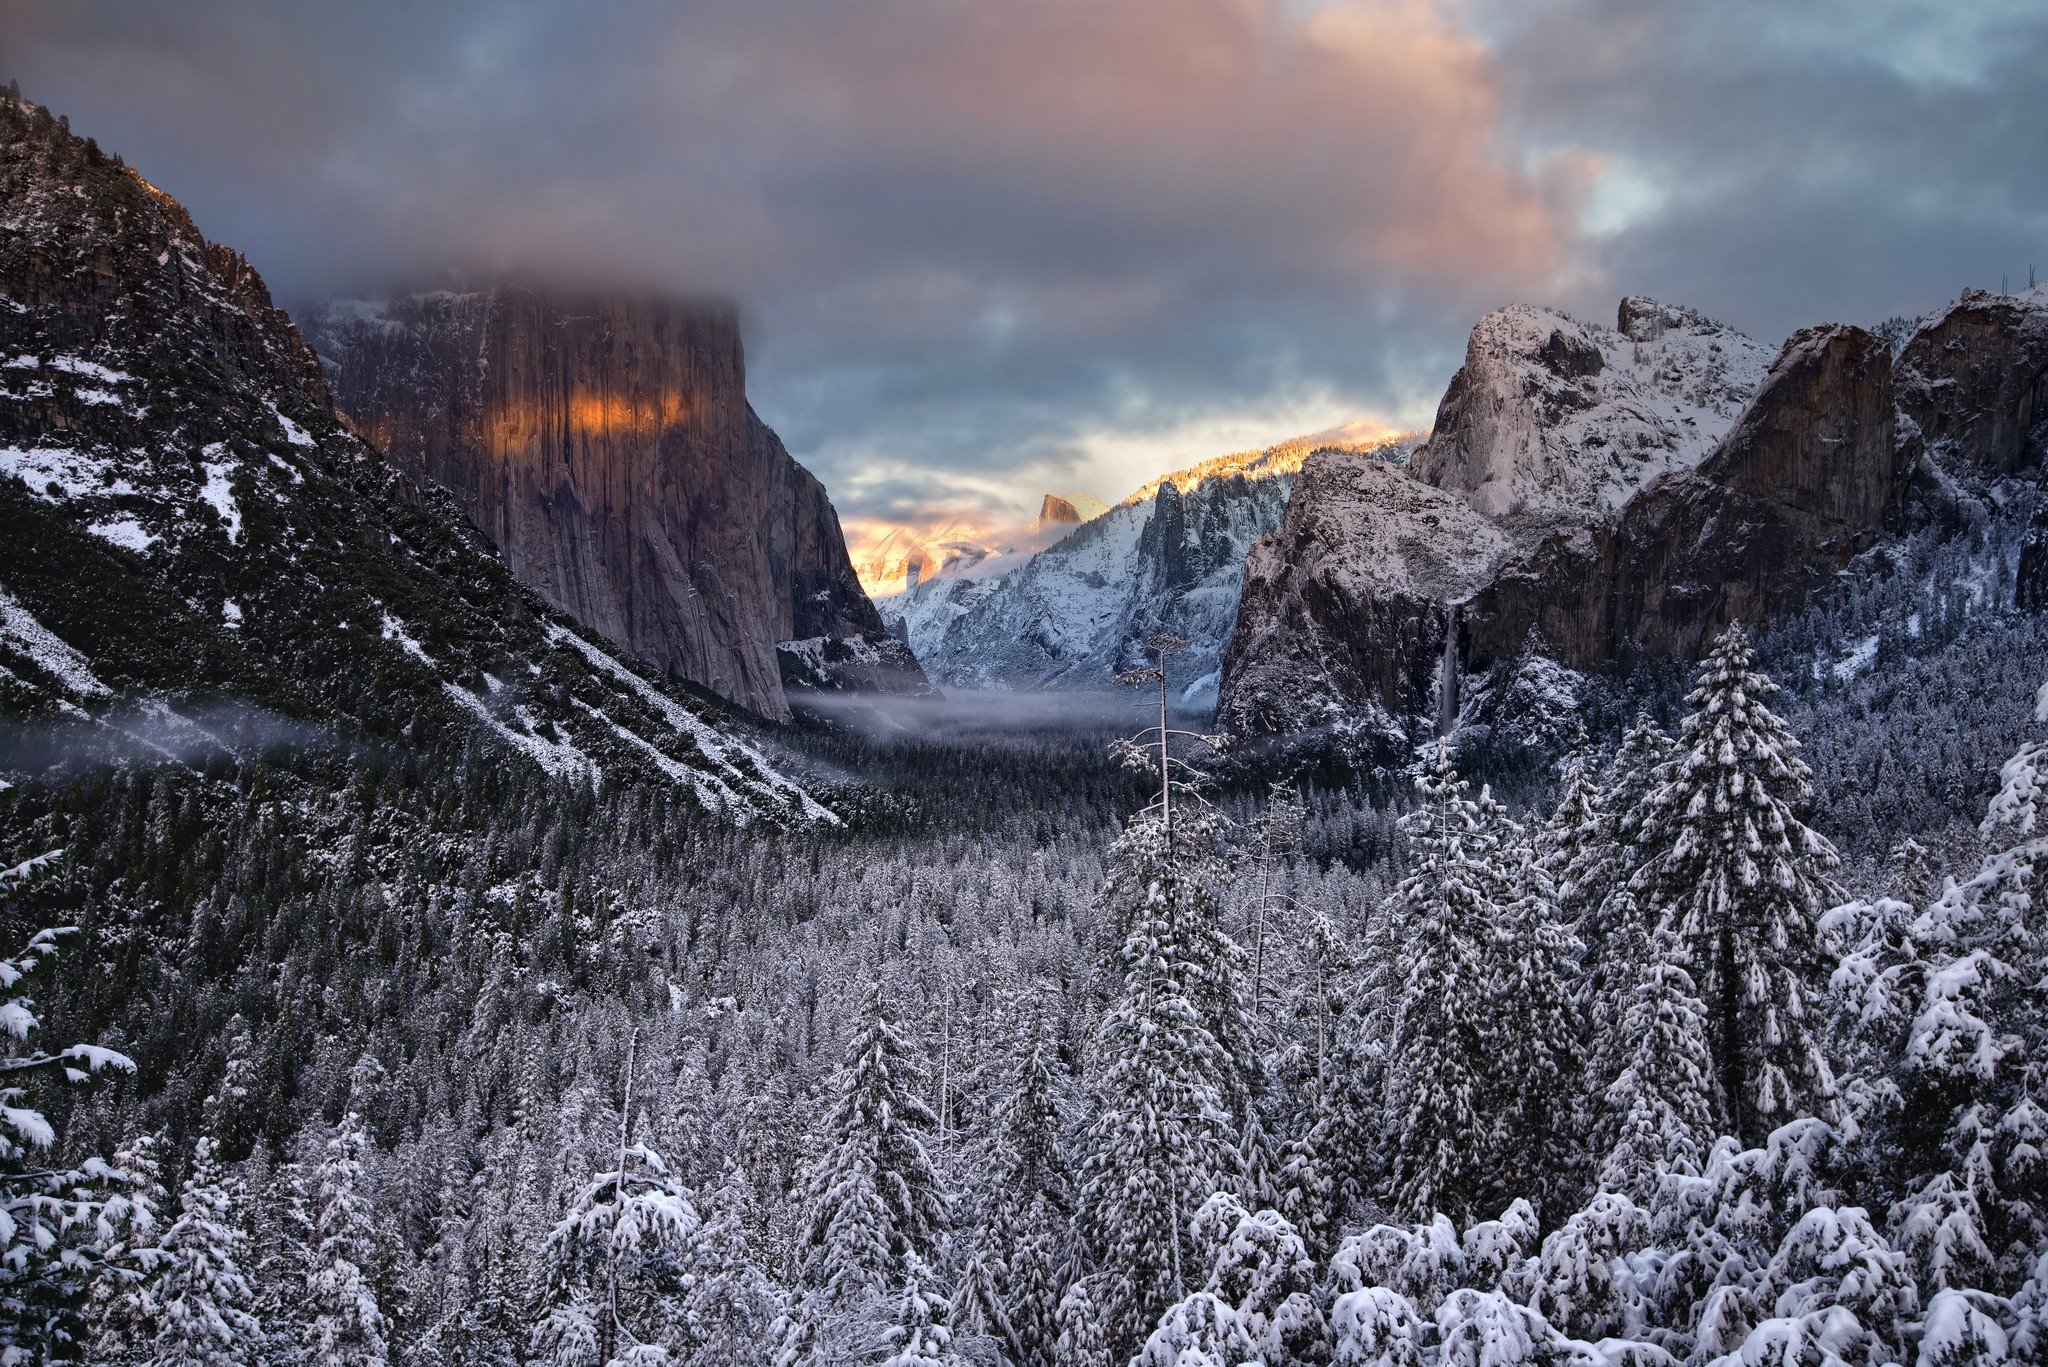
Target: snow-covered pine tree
{"points": [[128, 1229], [1032, 1211], [1659, 1113], [51, 1251], [202, 1302], [872, 1197], [1742, 881], [1532, 960], [348, 1327], [1161, 1139], [1974, 1069], [619, 1261], [919, 1336], [1282, 827], [1322, 1165], [1083, 1339], [1443, 1134]]}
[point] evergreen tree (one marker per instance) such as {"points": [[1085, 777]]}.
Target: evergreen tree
{"points": [[1444, 1136], [1027, 1229], [618, 1261], [872, 1198], [202, 1303], [1660, 1111], [52, 1250], [919, 1335], [1741, 880], [1531, 959], [348, 1326], [1160, 1140], [1974, 1067]]}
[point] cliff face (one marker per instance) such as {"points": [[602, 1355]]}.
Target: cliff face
{"points": [[605, 444], [1388, 603], [1802, 483], [1973, 387], [1342, 624], [1551, 421]]}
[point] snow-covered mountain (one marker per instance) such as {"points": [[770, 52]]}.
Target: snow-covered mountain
{"points": [[1552, 421], [190, 537], [1593, 500], [904, 557], [1170, 558]]}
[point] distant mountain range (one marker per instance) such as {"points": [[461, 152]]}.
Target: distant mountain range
{"points": [[1168, 559]]}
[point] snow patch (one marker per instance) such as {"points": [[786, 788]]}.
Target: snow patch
{"points": [[73, 474], [219, 493], [559, 758], [720, 750], [394, 630], [125, 532]]}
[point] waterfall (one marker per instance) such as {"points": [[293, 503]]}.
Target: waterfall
{"points": [[1447, 678]]}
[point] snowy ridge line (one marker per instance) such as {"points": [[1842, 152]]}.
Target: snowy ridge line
{"points": [[19, 628], [720, 749]]}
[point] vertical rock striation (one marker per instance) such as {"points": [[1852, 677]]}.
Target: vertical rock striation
{"points": [[606, 445]]}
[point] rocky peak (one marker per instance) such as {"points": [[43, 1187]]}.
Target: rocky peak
{"points": [[1551, 421], [1069, 510], [1382, 591], [1973, 387], [604, 442]]}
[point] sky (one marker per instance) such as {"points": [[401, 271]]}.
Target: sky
{"points": [[985, 249]]}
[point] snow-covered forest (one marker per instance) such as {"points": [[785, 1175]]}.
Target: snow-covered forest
{"points": [[1708, 1046]]}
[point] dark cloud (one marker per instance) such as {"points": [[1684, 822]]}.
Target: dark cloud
{"points": [[1047, 243]]}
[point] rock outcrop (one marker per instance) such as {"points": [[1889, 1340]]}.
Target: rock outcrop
{"points": [[1390, 606], [605, 444], [1973, 388], [1804, 482], [1069, 510], [1551, 422]]}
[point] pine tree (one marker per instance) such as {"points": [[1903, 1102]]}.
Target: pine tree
{"points": [[1444, 1137], [1161, 1138], [1531, 961], [1613, 928], [1281, 829], [202, 1303], [1975, 1053], [872, 1198], [1742, 881], [348, 1326], [920, 1335], [623, 1252], [1660, 1112], [1027, 1229], [1083, 1340], [52, 1254]]}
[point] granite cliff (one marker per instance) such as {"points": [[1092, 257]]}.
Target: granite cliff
{"points": [[605, 444], [1595, 500]]}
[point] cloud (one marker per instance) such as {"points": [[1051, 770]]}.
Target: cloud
{"points": [[983, 249]]}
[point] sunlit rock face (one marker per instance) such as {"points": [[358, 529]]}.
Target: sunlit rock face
{"points": [[605, 443]]}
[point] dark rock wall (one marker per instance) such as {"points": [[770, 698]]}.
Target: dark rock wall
{"points": [[606, 445]]}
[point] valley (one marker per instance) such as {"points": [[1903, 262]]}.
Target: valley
{"points": [[487, 884]]}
